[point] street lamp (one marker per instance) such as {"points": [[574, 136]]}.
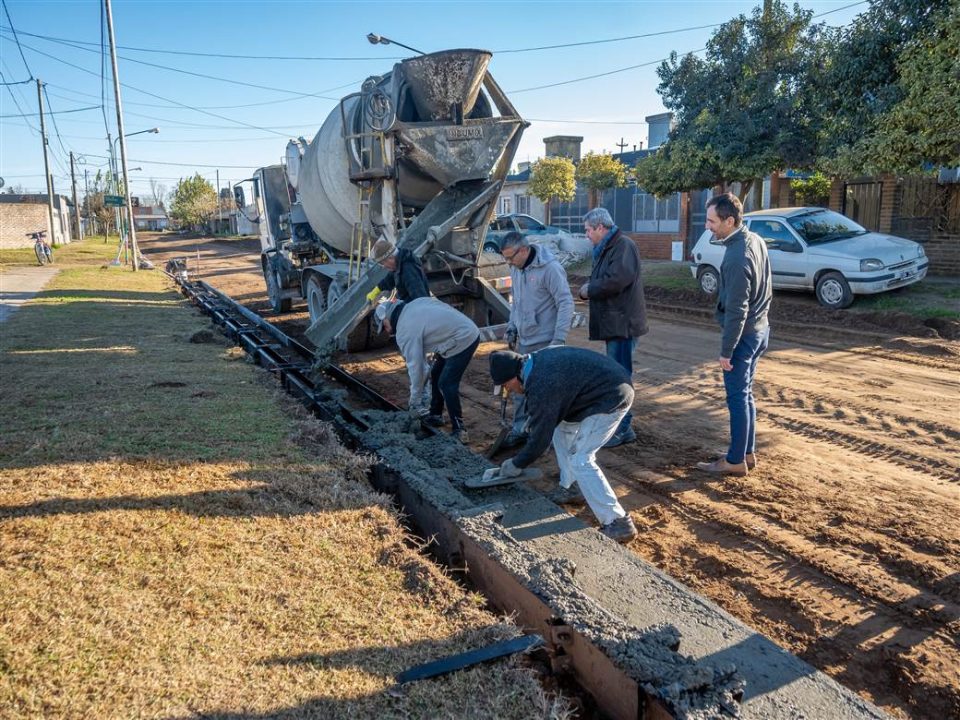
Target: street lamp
{"points": [[375, 39]]}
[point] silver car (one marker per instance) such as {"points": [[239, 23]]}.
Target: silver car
{"points": [[820, 250]]}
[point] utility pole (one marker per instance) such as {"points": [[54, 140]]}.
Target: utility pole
{"points": [[46, 164], [219, 204], [76, 207], [621, 145], [131, 228]]}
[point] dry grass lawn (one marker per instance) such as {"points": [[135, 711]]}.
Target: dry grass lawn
{"points": [[179, 541]]}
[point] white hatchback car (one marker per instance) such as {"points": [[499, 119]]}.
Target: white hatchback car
{"points": [[820, 250]]}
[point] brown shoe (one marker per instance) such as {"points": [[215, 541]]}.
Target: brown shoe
{"points": [[751, 460], [722, 467]]}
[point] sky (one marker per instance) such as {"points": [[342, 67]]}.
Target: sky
{"points": [[235, 114]]}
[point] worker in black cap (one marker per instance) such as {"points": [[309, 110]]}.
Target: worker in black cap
{"points": [[576, 398]]}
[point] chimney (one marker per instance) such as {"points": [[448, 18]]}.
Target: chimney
{"points": [[523, 166], [658, 129], [567, 146]]}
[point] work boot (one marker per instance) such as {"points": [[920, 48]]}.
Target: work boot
{"points": [[433, 420], [621, 438], [513, 440], [567, 496], [722, 467], [622, 530], [751, 460]]}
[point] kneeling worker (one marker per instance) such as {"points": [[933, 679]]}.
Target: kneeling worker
{"points": [[422, 327], [577, 398]]}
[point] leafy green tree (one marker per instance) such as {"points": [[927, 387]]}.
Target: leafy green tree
{"points": [[194, 202], [744, 110], [813, 190], [599, 172], [553, 179], [888, 89]]}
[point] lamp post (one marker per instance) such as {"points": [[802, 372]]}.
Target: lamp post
{"points": [[116, 179], [375, 39]]}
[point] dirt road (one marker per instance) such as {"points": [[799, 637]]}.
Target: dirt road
{"points": [[843, 545]]}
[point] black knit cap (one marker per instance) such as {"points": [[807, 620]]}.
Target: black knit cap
{"points": [[505, 365]]}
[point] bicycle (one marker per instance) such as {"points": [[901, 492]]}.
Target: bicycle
{"points": [[41, 248]]}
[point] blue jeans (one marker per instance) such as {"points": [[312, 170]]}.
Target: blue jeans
{"points": [[445, 379], [739, 386], [621, 350]]}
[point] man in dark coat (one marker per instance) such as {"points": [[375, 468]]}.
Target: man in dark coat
{"points": [[575, 399], [406, 272], [618, 311]]}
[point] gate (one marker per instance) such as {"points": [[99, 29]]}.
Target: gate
{"points": [[861, 203], [698, 215]]}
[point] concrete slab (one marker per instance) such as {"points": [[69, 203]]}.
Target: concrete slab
{"points": [[18, 285], [592, 583]]}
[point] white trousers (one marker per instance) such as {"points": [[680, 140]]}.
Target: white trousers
{"points": [[576, 445]]}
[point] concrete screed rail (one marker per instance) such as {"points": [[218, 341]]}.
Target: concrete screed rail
{"points": [[641, 643]]}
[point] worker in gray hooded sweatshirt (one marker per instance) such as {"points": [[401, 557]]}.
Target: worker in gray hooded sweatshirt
{"points": [[426, 326], [540, 314]]}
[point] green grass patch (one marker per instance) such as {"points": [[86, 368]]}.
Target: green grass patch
{"points": [[180, 540], [669, 275], [89, 251], [923, 299]]}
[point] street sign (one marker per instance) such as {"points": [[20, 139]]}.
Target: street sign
{"points": [[113, 200]]}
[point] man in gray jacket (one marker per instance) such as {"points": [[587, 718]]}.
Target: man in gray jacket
{"points": [[575, 398], [541, 312], [428, 326], [618, 310], [743, 304]]}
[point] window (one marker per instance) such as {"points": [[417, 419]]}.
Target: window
{"points": [[505, 205], [774, 234], [523, 203], [528, 224], [656, 215]]}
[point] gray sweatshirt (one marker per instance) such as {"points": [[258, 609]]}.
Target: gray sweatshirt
{"points": [[571, 384], [542, 304], [428, 326], [746, 288]]}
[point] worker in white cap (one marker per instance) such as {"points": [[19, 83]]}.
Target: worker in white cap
{"points": [[406, 272]]}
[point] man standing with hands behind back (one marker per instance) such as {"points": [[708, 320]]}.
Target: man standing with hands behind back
{"points": [[618, 311], [743, 303]]}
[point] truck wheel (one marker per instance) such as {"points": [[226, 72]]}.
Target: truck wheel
{"points": [[278, 303], [317, 296], [833, 291], [708, 279]]}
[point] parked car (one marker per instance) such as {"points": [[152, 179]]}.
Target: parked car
{"points": [[819, 250], [523, 224]]}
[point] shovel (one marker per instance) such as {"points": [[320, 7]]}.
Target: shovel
{"points": [[504, 425]]}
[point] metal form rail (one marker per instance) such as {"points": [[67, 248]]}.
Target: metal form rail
{"points": [[518, 576]]}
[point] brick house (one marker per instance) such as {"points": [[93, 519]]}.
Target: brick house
{"points": [[23, 214], [150, 217]]}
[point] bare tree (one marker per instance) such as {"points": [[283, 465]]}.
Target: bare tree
{"points": [[158, 193]]}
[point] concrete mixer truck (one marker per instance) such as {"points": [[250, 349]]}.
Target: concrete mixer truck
{"points": [[417, 156]]}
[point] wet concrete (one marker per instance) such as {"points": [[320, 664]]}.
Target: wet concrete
{"points": [[625, 606]]}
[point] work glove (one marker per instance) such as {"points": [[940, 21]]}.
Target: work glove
{"points": [[373, 294], [511, 337], [509, 470]]}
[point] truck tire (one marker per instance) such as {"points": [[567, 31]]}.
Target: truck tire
{"points": [[278, 303], [708, 279], [833, 291], [317, 296]]}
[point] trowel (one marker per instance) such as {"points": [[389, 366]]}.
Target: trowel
{"points": [[529, 473], [504, 425]]}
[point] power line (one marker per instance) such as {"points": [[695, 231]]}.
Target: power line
{"points": [[159, 97], [6, 10], [60, 112], [176, 164], [17, 103], [608, 40], [191, 73], [595, 76], [103, 71]]}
